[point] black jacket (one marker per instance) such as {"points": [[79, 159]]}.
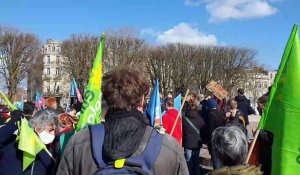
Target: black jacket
{"points": [[244, 107], [191, 139], [215, 120]]}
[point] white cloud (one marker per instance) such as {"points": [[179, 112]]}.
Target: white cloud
{"points": [[149, 31], [222, 10], [185, 33], [194, 3]]}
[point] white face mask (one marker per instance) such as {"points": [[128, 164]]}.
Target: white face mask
{"points": [[46, 137]]}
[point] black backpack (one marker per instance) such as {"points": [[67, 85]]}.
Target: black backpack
{"points": [[139, 165]]}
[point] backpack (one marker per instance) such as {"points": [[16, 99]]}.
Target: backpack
{"points": [[139, 165]]}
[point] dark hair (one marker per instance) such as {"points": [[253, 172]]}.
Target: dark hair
{"points": [[28, 108], [262, 99], [170, 102], [123, 88], [241, 91], [193, 106]]}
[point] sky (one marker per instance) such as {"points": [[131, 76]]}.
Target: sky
{"points": [[263, 25]]}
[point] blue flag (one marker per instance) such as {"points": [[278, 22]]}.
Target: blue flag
{"points": [[177, 102], [154, 106], [72, 90]]}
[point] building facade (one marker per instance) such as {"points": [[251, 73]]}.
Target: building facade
{"points": [[55, 81], [258, 84]]}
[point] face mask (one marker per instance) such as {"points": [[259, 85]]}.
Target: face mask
{"points": [[46, 137]]}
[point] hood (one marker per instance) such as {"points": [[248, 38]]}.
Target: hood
{"points": [[124, 131], [172, 112], [240, 98]]}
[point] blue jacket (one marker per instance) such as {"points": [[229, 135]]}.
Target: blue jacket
{"points": [[11, 157]]}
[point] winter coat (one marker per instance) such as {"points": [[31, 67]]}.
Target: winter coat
{"points": [[215, 120], [124, 132], [168, 120], [244, 107], [191, 139], [238, 170], [11, 158]]}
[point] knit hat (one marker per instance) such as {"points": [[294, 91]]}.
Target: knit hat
{"points": [[212, 103]]}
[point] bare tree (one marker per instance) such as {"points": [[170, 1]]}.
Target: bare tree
{"points": [[34, 78], [123, 48], [79, 52], [17, 51]]}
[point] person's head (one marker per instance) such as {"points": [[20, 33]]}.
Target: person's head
{"points": [[161, 96], [28, 109], [230, 144], [193, 106], [45, 122], [211, 104], [66, 120], [170, 95], [261, 103], [232, 104], [241, 91], [170, 104], [125, 89], [51, 102], [201, 97]]}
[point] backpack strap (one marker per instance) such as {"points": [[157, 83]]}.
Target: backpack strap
{"points": [[192, 125], [97, 138], [149, 156]]}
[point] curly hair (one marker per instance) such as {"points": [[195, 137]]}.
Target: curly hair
{"points": [[124, 88]]}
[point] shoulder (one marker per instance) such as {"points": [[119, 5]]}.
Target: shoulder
{"points": [[169, 143], [83, 136]]}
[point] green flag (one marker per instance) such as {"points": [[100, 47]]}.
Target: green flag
{"points": [[29, 143], [9, 104], [282, 113], [91, 107]]}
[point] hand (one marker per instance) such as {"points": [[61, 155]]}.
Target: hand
{"points": [[233, 112]]}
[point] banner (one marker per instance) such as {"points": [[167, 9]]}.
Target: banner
{"points": [[217, 89]]}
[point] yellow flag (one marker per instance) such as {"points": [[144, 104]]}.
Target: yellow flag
{"points": [[29, 143]]}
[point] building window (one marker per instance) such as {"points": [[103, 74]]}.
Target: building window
{"points": [[57, 49], [48, 89], [53, 49], [57, 71], [57, 59], [48, 59], [57, 90], [45, 49], [48, 71]]}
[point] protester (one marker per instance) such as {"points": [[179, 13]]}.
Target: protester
{"points": [[215, 120], [28, 110], [51, 102], [234, 116], [244, 105], [124, 135], [44, 123], [192, 126], [262, 153], [231, 147], [162, 103], [168, 121]]}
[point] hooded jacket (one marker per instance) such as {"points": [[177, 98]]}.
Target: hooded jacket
{"points": [[124, 137], [191, 139], [168, 120], [244, 107]]}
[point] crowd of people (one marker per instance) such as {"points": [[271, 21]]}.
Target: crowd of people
{"points": [[125, 143]]}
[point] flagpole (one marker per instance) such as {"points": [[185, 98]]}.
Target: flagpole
{"points": [[47, 151], [252, 145], [177, 117]]}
